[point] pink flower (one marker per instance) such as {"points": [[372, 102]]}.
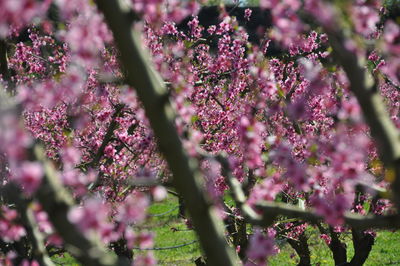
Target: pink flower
{"points": [[195, 28], [365, 19], [261, 246], [133, 209], [70, 156], [109, 151], [321, 11], [373, 56], [212, 29], [266, 190], [145, 240], [250, 131], [326, 238], [86, 36], [350, 110], [332, 207], [159, 193], [29, 175], [392, 69], [391, 32], [145, 260], [93, 216], [247, 13], [9, 230], [25, 262], [268, 3], [19, 13]]}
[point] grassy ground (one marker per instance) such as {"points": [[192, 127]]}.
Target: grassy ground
{"points": [[386, 251], [171, 231]]}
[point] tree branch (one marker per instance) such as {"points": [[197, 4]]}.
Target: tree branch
{"points": [[57, 202], [383, 130], [272, 209], [107, 137], [4, 70], [11, 194], [154, 96], [237, 192]]}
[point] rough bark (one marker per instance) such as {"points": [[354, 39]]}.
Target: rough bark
{"points": [[302, 249], [338, 248], [120, 248], [362, 243]]}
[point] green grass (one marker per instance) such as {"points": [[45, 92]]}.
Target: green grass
{"points": [[64, 259], [172, 231], [384, 252]]}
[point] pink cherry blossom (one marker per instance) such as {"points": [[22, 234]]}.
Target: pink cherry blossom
{"points": [[29, 175]]}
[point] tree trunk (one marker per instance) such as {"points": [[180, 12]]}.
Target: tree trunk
{"points": [[362, 247], [121, 250], [302, 249], [240, 238], [181, 211], [338, 248]]}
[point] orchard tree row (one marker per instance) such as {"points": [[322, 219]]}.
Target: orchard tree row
{"points": [[290, 108]]}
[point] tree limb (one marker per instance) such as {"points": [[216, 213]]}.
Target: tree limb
{"points": [[57, 202], [4, 70], [11, 194], [272, 209], [107, 137], [152, 92], [383, 130]]}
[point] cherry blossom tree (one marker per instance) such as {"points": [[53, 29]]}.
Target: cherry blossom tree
{"points": [[105, 104]]}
